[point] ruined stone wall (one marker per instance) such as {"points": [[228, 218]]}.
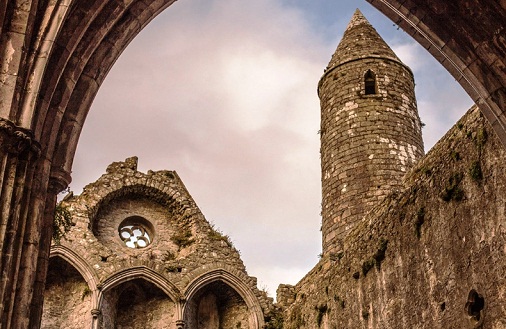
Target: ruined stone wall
{"points": [[183, 240], [148, 253], [430, 256], [108, 311], [154, 313], [67, 305]]}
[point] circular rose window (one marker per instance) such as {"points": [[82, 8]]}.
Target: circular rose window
{"points": [[136, 232]]}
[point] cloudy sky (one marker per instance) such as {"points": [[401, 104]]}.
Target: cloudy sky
{"points": [[224, 92]]}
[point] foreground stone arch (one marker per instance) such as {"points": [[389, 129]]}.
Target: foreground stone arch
{"points": [[468, 39], [54, 55]]}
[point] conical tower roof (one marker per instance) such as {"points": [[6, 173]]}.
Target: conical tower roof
{"points": [[360, 40]]}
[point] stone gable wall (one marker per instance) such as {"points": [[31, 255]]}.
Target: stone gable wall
{"points": [[185, 257]]}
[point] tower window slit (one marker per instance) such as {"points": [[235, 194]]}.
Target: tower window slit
{"points": [[370, 83]]}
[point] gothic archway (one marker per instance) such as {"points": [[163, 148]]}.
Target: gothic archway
{"points": [[217, 288], [136, 303], [55, 55]]}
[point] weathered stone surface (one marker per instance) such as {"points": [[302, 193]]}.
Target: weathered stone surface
{"points": [[414, 259], [370, 135], [141, 248], [54, 53]]}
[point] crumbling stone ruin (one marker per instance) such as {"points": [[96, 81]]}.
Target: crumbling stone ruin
{"points": [[409, 241], [54, 56], [140, 254]]}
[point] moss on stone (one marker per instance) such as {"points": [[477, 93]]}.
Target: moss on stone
{"points": [[419, 220], [62, 222], [453, 191], [475, 171]]}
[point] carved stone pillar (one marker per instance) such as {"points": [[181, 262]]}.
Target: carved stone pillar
{"points": [[180, 324], [26, 212], [58, 181]]}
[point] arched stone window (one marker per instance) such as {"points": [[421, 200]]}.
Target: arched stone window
{"points": [[370, 83]]}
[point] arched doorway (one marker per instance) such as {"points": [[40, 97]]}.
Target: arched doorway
{"points": [[220, 300]]}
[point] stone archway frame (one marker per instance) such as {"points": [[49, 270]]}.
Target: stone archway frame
{"points": [[74, 74], [90, 36], [82, 267], [470, 60], [147, 274], [256, 314]]}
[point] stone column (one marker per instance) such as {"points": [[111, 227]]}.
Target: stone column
{"points": [[58, 181], [180, 324], [24, 218]]}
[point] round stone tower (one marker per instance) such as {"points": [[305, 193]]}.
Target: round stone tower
{"points": [[370, 129]]}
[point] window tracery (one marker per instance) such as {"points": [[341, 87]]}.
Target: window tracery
{"points": [[135, 232]]}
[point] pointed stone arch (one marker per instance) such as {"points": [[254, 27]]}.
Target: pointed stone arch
{"points": [[80, 265], [136, 297], [140, 272], [70, 293], [243, 290]]}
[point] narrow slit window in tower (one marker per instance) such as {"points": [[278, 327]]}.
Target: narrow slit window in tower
{"points": [[370, 83]]}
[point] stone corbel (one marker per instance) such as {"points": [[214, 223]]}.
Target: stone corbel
{"points": [[95, 313], [17, 140], [59, 180]]}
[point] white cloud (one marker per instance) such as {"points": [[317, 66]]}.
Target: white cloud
{"points": [[408, 53]]}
